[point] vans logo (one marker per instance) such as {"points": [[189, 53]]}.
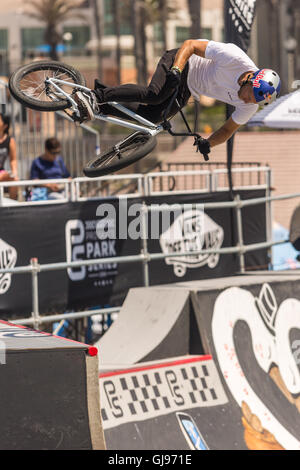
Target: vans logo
{"points": [[192, 231], [8, 259]]}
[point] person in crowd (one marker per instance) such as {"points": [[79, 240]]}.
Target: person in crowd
{"points": [[8, 153], [50, 165]]}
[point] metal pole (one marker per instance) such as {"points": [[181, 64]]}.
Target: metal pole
{"points": [[240, 232], [144, 250], [1, 195], [269, 214], [35, 292]]}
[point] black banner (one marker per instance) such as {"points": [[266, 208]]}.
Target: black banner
{"points": [[239, 16], [238, 19], [111, 228]]}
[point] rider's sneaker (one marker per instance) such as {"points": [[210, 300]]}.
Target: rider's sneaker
{"points": [[87, 105]]}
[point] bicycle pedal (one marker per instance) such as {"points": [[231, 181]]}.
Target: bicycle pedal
{"points": [[76, 119]]}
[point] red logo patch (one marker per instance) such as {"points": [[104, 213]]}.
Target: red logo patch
{"points": [[258, 77]]}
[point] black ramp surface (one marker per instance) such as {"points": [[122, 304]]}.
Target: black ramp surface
{"points": [[249, 326], [45, 392], [152, 324], [252, 332]]}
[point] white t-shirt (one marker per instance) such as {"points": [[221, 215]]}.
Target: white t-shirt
{"points": [[217, 76]]}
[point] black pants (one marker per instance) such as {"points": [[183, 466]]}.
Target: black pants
{"points": [[149, 101]]}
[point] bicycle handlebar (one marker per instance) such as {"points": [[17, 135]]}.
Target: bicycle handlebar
{"points": [[168, 127]]}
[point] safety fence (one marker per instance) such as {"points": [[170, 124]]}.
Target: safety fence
{"points": [[131, 185], [144, 257]]}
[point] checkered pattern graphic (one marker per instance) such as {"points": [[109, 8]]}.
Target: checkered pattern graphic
{"points": [[150, 393]]}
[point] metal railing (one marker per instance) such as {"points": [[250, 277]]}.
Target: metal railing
{"points": [[143, 187], [144, 257], [242, 179], [149, 184]]}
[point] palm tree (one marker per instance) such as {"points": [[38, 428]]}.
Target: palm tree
{"points": [[53, 13], [98, 15], [117, 24], [146, 12], [195, 14], [138, 31], [195, 33], [160, 11]]}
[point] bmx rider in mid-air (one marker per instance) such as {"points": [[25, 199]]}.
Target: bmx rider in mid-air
{"points": [[200, 67]]}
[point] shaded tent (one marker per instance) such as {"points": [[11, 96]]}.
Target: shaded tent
{"points": [[284, 256], [284, 113]]}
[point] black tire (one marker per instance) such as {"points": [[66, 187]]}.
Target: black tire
{"points": [[131, 149], [26, 78]]}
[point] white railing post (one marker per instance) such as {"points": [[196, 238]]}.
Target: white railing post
{"points": [[240, 232], [144, 250], [35, 292], [269, 212]]}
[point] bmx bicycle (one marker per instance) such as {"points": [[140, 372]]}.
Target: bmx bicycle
{"points": [[50, 86]]}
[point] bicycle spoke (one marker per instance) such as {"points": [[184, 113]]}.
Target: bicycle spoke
{"points": [[105, 160], [33, 84]]}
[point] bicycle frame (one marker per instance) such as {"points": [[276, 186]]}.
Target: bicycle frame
{"points": [[147, 127]]}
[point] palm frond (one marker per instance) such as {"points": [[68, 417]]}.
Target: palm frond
{"points": [[54, 12]]}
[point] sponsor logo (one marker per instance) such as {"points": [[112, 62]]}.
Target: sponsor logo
{"points": [[8, 259], [259, 77], [82, 244], [11, 331], [242, 14], [192, 231]]}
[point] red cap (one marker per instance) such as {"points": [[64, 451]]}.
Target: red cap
{"points": [[92, 351]]}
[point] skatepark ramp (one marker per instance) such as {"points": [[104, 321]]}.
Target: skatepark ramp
{"points": [[208, 364], [200, 365], [49, 392]]}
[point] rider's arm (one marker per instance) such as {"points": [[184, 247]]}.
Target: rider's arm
{"points": [[188, 48], [224, 133]]}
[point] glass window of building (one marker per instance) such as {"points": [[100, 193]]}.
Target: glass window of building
{"points": [[125, 12], [182, 34], [4, 65], [158, 38], [76, 39], [206, 33], [3, 39], [32, 41]]}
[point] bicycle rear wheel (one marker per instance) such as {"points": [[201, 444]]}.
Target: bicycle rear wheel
{"points": [[27, 85], [130, 150]]}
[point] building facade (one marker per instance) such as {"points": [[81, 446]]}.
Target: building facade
{"points": [[22, 37], [275, 35]]}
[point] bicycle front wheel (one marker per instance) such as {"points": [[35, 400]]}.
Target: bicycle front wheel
{"points": [[130, 150], [27, 85]]}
